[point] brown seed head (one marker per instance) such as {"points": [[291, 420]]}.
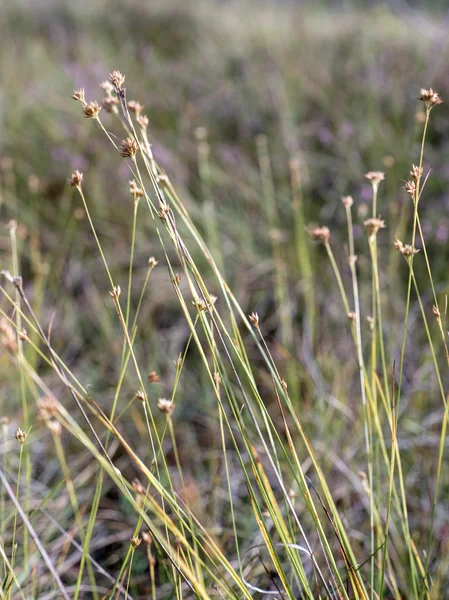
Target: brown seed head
{"points": [[166, 406], [375, 177], [146, 537], [110, 103], [352, 316], [129, 148], [405, 249], [319, 234], [23, 336], [140, 395], [138, 487], [436, 313], [117, 79], [47, 407], [115, 293], [430, 97], [135, 107], [373, 225], [76, 179], [135, 190], [20, 436], [415, 173], [410, 188], [55, 427], [254, 318], [8, 336], [79, 95], [135, 541], [107, 87], [143, 121], [200, 303], [91, 110], [153, 377], [347, 201]]}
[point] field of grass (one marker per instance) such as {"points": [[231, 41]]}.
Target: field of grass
{"points": [[229, 378]]}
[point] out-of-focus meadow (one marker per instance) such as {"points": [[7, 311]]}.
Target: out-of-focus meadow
{"points": [[263, 115]]}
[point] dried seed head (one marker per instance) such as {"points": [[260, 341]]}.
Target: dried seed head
{"points": [[115, 293], [23, 336], [405, 249], [375, 177], [319, 234], [79, 95], [110, 104], [347, 201], [135, 107], [254, 318], [410, 188], [373, 225], [8, 336], [138, 487], [135, 541], [152, 262], [55, 427], [352, 316], [135, 190], [177, 278], [430, 97], [20, 436], [117, 79], [76, 179], [200, 303], [153, 377], [140, 395], [91, 110], [217, 378], [284, 385], [47, 407], [129, 148], [436, 313], [107, 87], [166, 406], [416, 173], [143, 121], [146, 537]]}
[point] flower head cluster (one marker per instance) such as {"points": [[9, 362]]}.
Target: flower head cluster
{"points": [[319, 234], [430, 97], [373, 225], [405, 249]]}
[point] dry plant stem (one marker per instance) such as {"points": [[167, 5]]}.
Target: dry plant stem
{"points": [[404, 335], [14, 529], [360, 360], [9, 570], [34, 537]]}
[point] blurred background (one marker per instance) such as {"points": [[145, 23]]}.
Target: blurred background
{"points": [[324, 89]]}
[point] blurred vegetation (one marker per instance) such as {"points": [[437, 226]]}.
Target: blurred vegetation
{"points": [[331, 86]]}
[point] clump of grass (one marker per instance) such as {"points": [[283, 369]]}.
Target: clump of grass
{"points": [[272, 521]]}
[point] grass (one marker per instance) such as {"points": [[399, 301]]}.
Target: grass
{"points": [[199, 400]]}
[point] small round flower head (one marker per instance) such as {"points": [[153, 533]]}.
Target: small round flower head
{"points": [[20, 436], [107, 87], [319, 234], [8, 336], [152, 262], [405, 249], [138, 487], [117, 79], [76, 179], [153, 377], [135, 541], [110, 104], [254, 318], [352, 316], [430, 97], [91, 110], [416, 173], [140, 395], [129, 148], [347, 201], [410, 188], [79, 95], [143, 121], [135, 190], [375, 177], [373, 225], [166, 406], [135, 107]]}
